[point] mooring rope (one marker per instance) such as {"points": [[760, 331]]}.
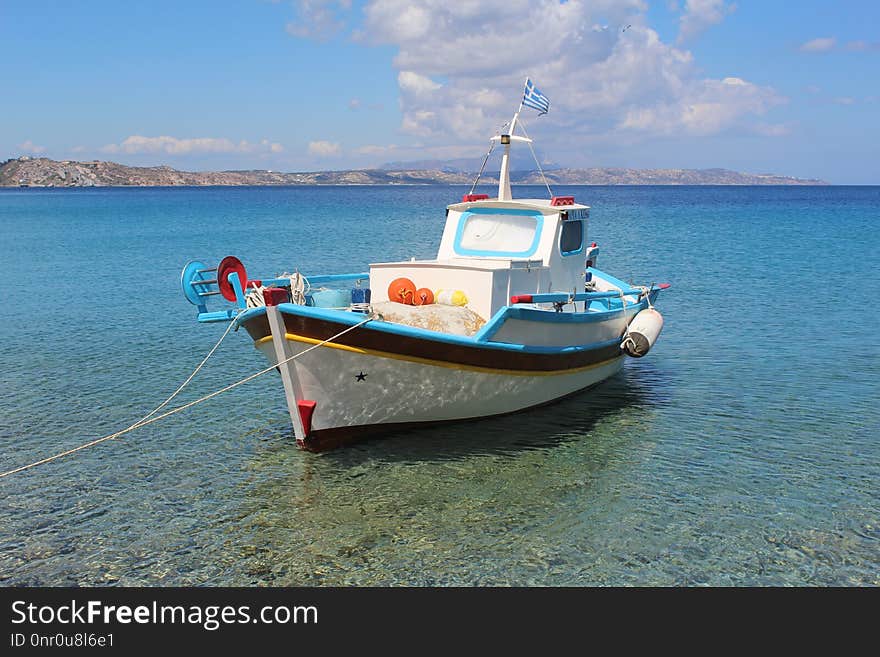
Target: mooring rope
{"points": [[149, 419]]}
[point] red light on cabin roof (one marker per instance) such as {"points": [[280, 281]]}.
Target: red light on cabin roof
{"points": [[562, 200], [467, 198]]}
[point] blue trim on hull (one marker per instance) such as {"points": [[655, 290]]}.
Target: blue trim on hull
{"points": [[549, 317], [335, 278]]}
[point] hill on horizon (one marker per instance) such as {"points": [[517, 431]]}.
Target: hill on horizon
{"points": [[27, 171]]}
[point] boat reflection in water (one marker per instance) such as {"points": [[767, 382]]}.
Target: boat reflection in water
{"points": [[431, 506]]}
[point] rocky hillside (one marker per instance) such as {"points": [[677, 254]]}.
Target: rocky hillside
{"points": [[610, 176], [43, 172]]}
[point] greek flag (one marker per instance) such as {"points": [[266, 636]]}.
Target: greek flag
{"points": [[534, 98]]}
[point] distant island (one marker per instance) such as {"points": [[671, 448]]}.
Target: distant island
{"points": [[42, 172]]}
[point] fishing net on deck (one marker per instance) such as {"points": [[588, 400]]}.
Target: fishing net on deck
{"points": [[455, 320]]}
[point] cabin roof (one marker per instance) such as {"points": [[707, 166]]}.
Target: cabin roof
{"points": [[541, 204]]}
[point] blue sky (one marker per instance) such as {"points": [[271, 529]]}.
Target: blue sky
{"points": [[771, 86]]}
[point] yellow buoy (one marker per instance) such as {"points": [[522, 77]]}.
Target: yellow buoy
{"points": [[451, 297]]}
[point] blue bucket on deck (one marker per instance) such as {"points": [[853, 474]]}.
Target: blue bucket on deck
{"points": [[331, 298], [360, 299], [360, 295]]}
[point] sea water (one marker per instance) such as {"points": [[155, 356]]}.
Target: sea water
{"points": [[743, 450]]}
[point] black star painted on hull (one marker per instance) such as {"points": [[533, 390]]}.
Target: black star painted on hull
{"points": [[360, 377]]}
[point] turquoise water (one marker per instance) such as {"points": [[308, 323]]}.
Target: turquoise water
{"points": [[744, 449]]}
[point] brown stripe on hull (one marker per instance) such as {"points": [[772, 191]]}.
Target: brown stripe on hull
{"points": [[404, 345]]}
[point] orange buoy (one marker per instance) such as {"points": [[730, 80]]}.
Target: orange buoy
{"points": [[423, 297], [402, 290]]}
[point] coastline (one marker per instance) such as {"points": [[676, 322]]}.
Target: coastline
{"points": [[25, 172]]}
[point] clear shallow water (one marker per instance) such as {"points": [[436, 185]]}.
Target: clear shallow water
{"points": [[745, 449]]}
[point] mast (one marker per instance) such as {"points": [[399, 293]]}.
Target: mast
{"points": [[505, 139], [504, 193]]}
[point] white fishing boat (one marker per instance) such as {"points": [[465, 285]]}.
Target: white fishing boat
{"points": [[512, 313]]}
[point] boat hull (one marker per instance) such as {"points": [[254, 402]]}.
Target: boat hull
{"points": [[382, 376], [360, 393]]}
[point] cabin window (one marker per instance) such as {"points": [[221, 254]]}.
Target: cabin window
{"points": [[500, 233], [571, 240]]}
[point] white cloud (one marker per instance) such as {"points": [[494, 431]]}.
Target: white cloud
{"points": [[699, 15], [357, 104], [862, 46], [459, 79], [324, 148], [479, 38], [773, 129], [318, 19], [138, 144], [28, 146], [844, 100], [411, 22], [375, 149], [706, 109], [272, 147], [416, 84], [822, 44]]}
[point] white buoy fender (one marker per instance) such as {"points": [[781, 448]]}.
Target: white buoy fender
{"points": [[643, 333]]}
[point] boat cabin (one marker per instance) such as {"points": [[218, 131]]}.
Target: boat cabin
{"points": [[493, 249]]}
